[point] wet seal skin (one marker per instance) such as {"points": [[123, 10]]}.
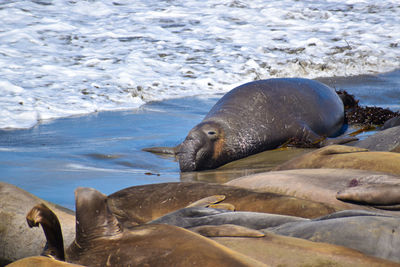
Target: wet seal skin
{"points": [[140, 204], [361, 189], [374, 234], [252, 234], [102, 241], [17, 240], [259, 116], [137, 205]]}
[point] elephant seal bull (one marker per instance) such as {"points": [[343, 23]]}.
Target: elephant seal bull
{"points": [[259, 116], [262, 115]]}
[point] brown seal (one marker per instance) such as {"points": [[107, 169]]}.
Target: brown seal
{"points": [[366, 189], [17, 240], [135, 206], [102, 241], [346, 157], [140, 204], [41, 261], [277, 250]]}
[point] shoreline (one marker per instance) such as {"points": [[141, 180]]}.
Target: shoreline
{"points": [[103, 150]]}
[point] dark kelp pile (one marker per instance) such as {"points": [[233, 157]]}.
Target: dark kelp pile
{"points": [[367, 116]]}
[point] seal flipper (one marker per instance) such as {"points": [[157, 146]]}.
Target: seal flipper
{"points": [[161, 150], [41, 214], [314, 138], [212, 202], [207, 201], [93, 217], [307, 138], [223, 206]]}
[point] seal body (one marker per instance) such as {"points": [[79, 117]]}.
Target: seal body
{"points": [[345, 157], [386, 140], [259, 116], [361, 189], [102, 241]]}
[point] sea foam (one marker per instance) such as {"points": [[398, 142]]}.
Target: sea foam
{"points": [[61, 58]]}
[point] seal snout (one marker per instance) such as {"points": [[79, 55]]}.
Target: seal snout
{"points": [[187, 155], [201, 148], [189, 152]]}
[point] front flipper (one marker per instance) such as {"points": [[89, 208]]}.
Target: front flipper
{"points": [[206, 201], [222, 206], [307, 138], [161, 150], [226, 230], [41, 214], [212, 202], [314, 138]]}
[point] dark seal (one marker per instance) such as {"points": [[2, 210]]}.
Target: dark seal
{"points": [[259, 116]]}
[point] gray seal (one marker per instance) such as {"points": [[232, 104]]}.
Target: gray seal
{"points": [[385, 140], [198, 216], [371, 233], [263, 115]]}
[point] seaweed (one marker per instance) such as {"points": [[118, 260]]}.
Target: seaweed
{"points": [[367, 115]]}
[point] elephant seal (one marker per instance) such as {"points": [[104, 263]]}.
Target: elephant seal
{"points": [[371, 233], [234, 230], [259, 116], [198, 216], [386, 196], [41, 261], [135, 206], [364, 189], [385, 140], [140, 204], [346, 157], [393, 122], [102, 241], [17, 240], [278, 250]]}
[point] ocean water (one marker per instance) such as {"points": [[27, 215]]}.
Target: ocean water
{"points": [[61, 58], [85, 85]]}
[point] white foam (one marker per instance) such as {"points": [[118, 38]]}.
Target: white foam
{"points": [[77, 57]]}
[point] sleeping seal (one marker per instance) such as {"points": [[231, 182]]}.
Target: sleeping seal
{"points": [[102, 241], [259, 116]]}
